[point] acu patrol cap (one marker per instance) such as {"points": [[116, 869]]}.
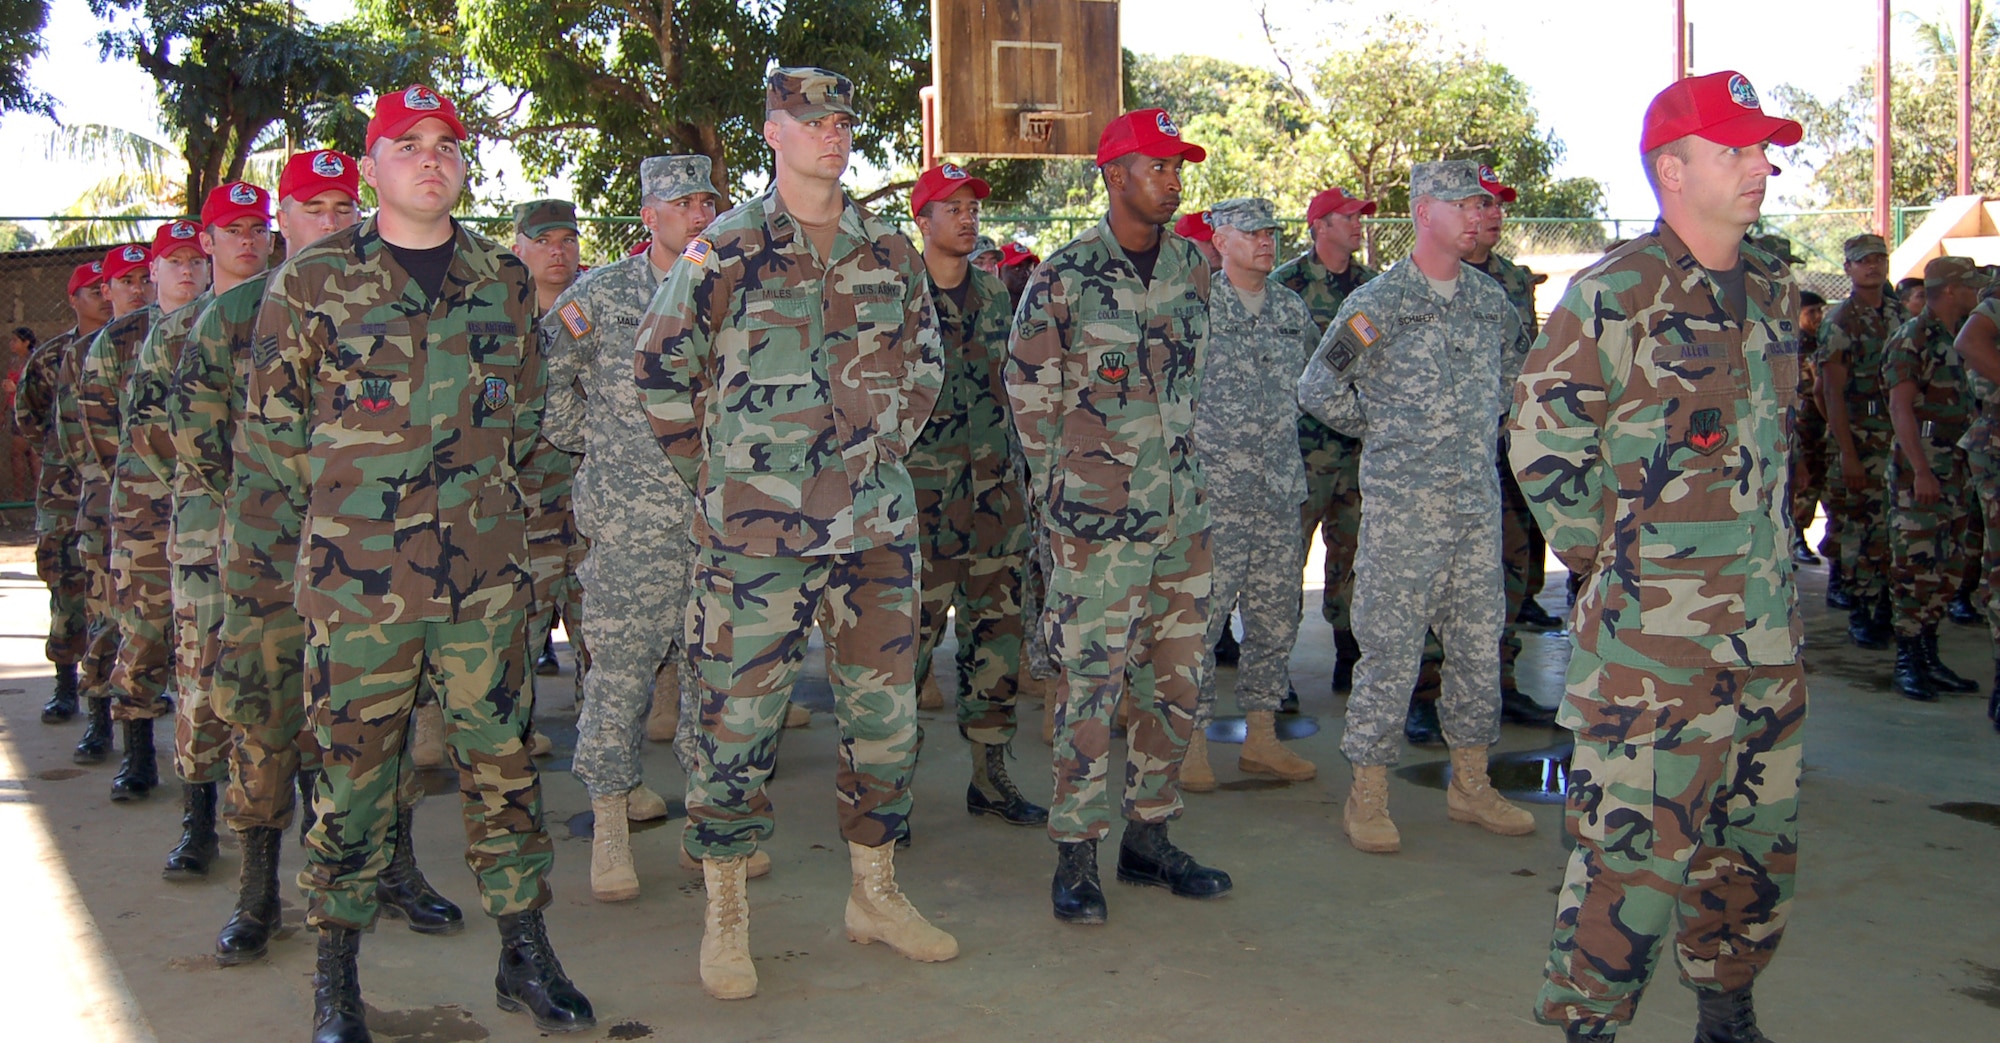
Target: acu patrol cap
{"points": [[807, 93], [1778, 246], [540, 215], [122, 259], [176, 235], [1150, 132], [942, 181], [1446, 180], [86, 275], [1721, 107], [1862, 247], [396, 113], [238, 199], [984, 245], [667, 178], [1948, 271], [309, 174], [1336, 201], [1194, 225], [1246, 214]]}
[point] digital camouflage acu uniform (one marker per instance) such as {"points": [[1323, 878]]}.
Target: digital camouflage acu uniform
{"points": [[1102, 375], [1332, 460], [1651, 434], [395, 427], [1256, 477], [631, 507], [787, 390], [1981, 444], [1854, 335], [1420, 379], [135, 507], [548, 479], [972, 519], [1928, 539], [57, 562]]}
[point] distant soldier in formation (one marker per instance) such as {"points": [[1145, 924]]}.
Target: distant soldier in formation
{"points": [[986, 255], [1809, 488], [545, 239], [1017, 263], [1193, 226]]}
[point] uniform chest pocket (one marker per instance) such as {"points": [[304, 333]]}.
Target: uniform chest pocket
{"points": [[878, 326], [779, 333], [370, 374]]}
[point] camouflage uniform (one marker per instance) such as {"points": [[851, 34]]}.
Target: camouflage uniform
{"points": [[631, 507], [1854, 335], [1102, 375], [1256, 477], [548, 479], [1811, 484], [93, 507], [257, 681], [57, 562], [394, 426], [1332, 460], [972, 521], [1522, 550], [1651, 435], [136, 517], [1420, 379], [1928, 539], [787, 390], [1982, 453]]}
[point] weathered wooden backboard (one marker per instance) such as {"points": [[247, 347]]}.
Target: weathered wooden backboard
{"points": [[1025, 79]]}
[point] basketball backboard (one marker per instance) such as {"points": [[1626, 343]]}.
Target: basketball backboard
{"points": [[1025, 79]]}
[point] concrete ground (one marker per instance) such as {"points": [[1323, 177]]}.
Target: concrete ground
{"points": [[1893, 936]]}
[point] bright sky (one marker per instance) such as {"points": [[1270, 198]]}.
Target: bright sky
{"points": [[1591, 64]]}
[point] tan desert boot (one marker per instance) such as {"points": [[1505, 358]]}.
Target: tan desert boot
{"points": [[797, 716], [1263, 754], [929, 695], [643, 805], [612, 878], [758, 864], [665, 716], [539, 745], [1472, 798], [878, 912], [427, 745], [1196, 775], [1031, 689], [1365, 819], [1049, 723], [726, 970]]}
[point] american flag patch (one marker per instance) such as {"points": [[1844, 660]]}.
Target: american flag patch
{"points": [[573, 319], [1363, 328], [697, 251]]}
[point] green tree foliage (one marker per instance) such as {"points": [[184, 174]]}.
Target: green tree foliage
{"points": [[21, 25], [1839, 145], [608, 83]]}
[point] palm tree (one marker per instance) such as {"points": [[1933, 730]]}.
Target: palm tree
{"points": [[147, 178]]}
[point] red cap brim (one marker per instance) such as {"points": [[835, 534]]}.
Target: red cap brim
{"points": [[397, 127]]}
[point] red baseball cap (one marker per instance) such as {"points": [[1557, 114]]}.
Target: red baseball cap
{"points": [[235, 200], [1149, 131], [1722, 107], [122, 259], [176, 235], [1336, 201], [1490, 181], [1014, 253], [398, 112], [309, 174], [941, 181], [639, 247], [1195, 226], [86, 275]]}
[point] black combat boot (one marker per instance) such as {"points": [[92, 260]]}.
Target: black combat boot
{"points": [[62, 705], [338, 1016], [404, 894], [1912, 681], [1346, 653], [96, 742], [189, 860], [1943, 678], [1588, 1032], [1290, 703], [1517, 708], [531, 977], [1146, 856], [1861, 629], [1993, 701], [1075, 892], [1961, 611], [1802, 553], [1837, 596], [1227, 651], [1420, 724], [1533, 616], [247, 935], [308, 780], [547, 665], [991, 792], [139, 772], [1726, 1017]]}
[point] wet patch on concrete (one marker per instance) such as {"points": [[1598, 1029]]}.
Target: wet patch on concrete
{"points": [[1987, 990], [693, 888], [583, 824], [1524, 872], [437, 782], [783, 957], [448, 1023], [198, 962], [1530, 776], [1253, 785], [1976, 811], [1291, 726], [59, 774], [629, 1030]]}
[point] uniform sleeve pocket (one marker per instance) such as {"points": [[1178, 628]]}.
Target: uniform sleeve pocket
{"points": [[1693, 577]]}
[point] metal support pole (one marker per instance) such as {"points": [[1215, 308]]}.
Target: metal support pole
{"points": [[1965, 97], [1883, 144], [1680, 40]]}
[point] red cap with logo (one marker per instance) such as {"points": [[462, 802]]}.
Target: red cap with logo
{"points": [[308, 174], [1722, 107], [941, 181], [1014, 253], [176, 235], [1490, 181], [87, 274], [1149, 131], [396, 113], [121, 259], [1195, 226], [234, 201], [1336, 201]]}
